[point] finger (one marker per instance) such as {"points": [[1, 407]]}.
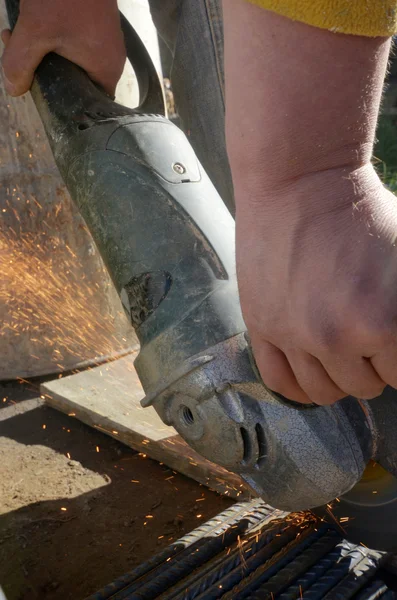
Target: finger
{"points": [[106, 74], [276, 372], [385, 364], [21, 57], [356, 377], [5, 36], [313, 378]]}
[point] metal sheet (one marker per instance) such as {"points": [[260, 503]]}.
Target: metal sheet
{"points": [[58, 307]]}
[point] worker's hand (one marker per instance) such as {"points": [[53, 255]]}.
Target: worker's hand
{"points": [[87, 32], [316, 230], [317, 268]]}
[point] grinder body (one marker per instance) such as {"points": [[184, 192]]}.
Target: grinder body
{"points": [[167, 240]]}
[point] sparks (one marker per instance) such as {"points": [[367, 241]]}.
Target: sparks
{"points": [[45, 298]]}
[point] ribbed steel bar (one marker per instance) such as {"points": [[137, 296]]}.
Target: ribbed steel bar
{"points": [[327, 584], [214, 570], [246, 554], [314, 574], [252, 512], [288, 574], [389, 595], [358, 576], [268, 565], [196, 555], [375, 590], [154, 587]]}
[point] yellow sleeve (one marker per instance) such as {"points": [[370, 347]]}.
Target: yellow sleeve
{"points": [[357, 17]]}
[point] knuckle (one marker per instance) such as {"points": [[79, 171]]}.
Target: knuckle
{"points": [[357, 331], [372, 322], [325, 335], [374, 336]]}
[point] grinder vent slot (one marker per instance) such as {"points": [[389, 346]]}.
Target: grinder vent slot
{"points": [[247, 445], [260, 436]]}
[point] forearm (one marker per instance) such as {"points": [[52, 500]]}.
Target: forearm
{"points": [[315, 228], [299, 100]]}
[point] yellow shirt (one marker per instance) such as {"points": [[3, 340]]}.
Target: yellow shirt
{"points": [[358, 17]]}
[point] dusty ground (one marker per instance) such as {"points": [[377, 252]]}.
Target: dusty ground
{"points": [[77, 508]]}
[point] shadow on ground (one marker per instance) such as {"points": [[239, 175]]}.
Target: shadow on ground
{"points": [[77, 508]]}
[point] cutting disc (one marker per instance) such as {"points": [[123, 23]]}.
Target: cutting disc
{"points": [[368, 513]]}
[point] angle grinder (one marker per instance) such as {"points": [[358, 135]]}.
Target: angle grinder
{"points": [[167, 240]]}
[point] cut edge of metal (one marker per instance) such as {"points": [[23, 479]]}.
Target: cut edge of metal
{"points": [[84, 365]]}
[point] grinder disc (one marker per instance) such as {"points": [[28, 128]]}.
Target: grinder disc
{"points": [[368, 513]]}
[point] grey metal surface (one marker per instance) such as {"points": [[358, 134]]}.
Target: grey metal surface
{"points": [[250, 553], [293, 458], [58, 306]]}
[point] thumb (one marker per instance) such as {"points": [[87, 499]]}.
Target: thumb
{"points": [[21, 57]]}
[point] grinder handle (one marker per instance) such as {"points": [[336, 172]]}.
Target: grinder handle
{"points": [[151, 98]]}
